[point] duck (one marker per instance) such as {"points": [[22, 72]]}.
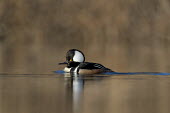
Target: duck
{"points": [[75, 61]]}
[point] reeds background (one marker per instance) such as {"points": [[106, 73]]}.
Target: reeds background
{"points": [[126, 36]]}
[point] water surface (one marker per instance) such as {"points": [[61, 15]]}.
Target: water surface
{"points": [[59, 93]]}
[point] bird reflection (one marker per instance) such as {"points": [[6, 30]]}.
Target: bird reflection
{"points": [[74, 84]]}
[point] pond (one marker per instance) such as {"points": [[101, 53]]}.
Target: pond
{"points": [[63, 93]]}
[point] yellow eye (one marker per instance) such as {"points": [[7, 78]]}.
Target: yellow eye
{"points": [[71, 60]]}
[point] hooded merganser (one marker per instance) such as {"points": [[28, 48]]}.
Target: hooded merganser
{"points": [[75, 61]]}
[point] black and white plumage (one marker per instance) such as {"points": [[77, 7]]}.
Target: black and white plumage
{"points": [[75, 61], [90, 65]]}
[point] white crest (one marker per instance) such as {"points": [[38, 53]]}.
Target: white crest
{"points": [[78, 57]]}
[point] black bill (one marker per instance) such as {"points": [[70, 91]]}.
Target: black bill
{"points": [[62, 63]]}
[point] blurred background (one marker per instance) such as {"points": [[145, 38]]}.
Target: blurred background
{"points": [[126, 36], [123, 35]]}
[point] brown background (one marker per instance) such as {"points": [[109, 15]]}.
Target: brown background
{"points": [[124, 35], [131, 35]]}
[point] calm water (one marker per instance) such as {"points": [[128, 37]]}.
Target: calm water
{"points": [[58, 93], [36, 34]]}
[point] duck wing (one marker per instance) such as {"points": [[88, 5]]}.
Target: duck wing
{"points": [[89, 65]]}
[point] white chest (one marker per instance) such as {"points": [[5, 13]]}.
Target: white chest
{"points": [[73, 70], [67, 70]]}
